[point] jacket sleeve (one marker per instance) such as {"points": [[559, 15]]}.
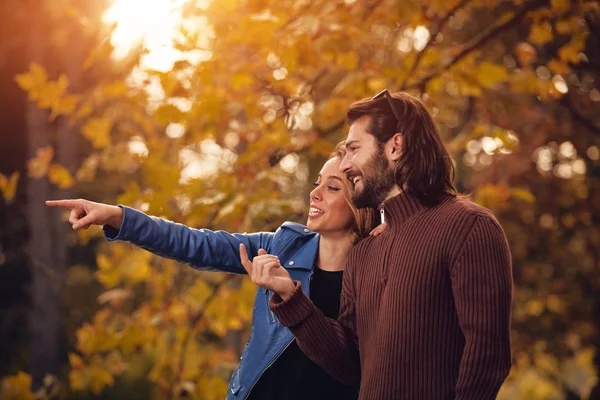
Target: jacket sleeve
{"points": [[201, 248], [332, 344], [482, 288]]}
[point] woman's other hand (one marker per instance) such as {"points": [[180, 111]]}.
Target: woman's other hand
{"points": [[378, 230], [266, 271]]}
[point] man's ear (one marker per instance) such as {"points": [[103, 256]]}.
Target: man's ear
{"points": [[394, 147]]}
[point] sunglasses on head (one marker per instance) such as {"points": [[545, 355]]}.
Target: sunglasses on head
{"points": [[390, 100]]}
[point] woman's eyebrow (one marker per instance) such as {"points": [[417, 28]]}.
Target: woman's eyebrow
{"points": [[335, 177]]}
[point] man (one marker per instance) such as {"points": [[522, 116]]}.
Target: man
{"points": [[425, 307]]}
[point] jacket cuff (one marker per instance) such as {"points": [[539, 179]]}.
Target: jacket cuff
{"points": [[294, 310], [110, 233]]}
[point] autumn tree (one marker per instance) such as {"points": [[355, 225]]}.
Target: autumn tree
{"points": [[228, 135]]}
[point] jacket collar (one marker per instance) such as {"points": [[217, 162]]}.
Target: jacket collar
{"points": [[401, 208], [305, 257]]}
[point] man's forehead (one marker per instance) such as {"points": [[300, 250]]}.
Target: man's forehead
{"points": [[358, 132]]}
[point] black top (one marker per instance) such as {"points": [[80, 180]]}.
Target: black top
{"points": [[293, 375]]}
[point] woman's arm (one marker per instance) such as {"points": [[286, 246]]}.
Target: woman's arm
{"points": [[201, 248]]}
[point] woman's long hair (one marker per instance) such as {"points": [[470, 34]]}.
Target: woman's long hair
{"points": [[425, 169], [365, 218]]}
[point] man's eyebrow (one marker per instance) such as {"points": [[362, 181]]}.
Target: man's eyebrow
{"points": [[350, 143]]}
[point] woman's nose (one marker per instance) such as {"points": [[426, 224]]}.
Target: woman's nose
{"points": [[315, 194]]}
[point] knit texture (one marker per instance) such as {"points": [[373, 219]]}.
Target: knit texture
{"points": [[425, 307]]}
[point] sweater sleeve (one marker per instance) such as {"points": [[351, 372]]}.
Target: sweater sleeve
{"points": [[332, 344], [482, 289]]}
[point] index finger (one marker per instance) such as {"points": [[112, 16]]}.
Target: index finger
{"points": [[244, 259], [63, 203]]}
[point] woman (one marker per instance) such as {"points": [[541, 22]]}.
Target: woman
{"points": [[272, 366]]}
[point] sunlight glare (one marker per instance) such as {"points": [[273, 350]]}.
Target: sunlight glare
{"points": [[153, 23]]}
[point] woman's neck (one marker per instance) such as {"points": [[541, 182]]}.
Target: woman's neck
{"points": [[333, 251]]}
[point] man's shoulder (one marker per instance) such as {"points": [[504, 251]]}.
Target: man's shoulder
{"points": [[463, 214], [461, 206]]}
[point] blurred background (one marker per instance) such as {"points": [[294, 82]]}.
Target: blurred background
{"points": [[219, 113]]}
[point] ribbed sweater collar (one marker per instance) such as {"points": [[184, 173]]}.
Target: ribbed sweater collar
{"points": [[400, 208]]}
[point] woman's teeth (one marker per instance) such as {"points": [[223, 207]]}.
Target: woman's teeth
{"points": [[314, 210]]}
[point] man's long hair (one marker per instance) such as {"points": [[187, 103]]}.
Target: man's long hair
{"points": [[425, 169]]}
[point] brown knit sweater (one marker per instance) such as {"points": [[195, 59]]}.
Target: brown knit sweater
{"points": [[425, 307]]}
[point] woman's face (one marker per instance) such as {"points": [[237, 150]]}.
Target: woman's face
{"points": [[329, 211]]}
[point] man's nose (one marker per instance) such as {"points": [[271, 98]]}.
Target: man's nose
{"points": [[345, 164]]}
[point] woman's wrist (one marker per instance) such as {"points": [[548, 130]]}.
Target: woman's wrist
{"points": [[288, 291], [116, 219]]}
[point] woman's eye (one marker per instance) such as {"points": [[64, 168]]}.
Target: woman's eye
{"points": [[333, 188], [315, 184]]}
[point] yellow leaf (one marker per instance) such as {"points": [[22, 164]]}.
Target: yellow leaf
{"points": [[135, 336], [555, 304], [97, 131], [8, 186], [524, 81], [321, 147], [535, 308], [16, 387], [100, 53], [135, 268], [60, 176], [64, 106], [99, 379], [76, 361], [541, 33], [376, 84], [33, 79], [580, 374], [493, 196], [87, 171], [489, 74], [115, 297], [565, 27], [569, 53], [178, 312], [348, 60], [523, 194], [241, 81], [83, 111], [38, 166], [560, 6], [559, 67], [115, 89]]}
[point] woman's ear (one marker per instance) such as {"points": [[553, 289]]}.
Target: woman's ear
{"points": [[394, 147]]}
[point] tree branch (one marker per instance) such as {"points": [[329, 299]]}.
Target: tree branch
{"points": [[432, 37], [582, 119], [276, 156], [370, 9], [480, 40]]}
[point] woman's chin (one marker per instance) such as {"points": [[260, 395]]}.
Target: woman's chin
{"points": [[313, 224]]}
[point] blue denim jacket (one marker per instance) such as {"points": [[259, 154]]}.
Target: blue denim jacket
{"points": [[294, 244]]}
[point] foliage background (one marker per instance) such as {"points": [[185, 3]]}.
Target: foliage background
{"points": [[226, 128]]}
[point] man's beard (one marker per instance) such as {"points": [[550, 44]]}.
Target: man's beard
{"points": [[377, 181]]}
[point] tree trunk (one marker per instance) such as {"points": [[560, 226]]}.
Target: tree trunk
{"points": [[47, 229]]}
